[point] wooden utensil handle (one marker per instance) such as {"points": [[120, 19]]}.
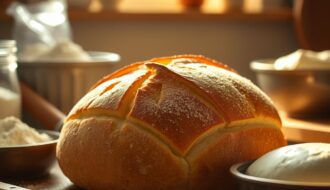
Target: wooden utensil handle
{"points": [[39, 109]]}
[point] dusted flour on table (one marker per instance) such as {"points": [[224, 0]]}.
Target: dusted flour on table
{"points": [[14, 132]]}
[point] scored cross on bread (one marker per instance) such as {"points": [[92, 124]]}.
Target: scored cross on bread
{"points": [[168, 123]]}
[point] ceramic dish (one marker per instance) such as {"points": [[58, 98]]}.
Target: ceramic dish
{"points": [[300, 93], [247, 182], [28, 161]]}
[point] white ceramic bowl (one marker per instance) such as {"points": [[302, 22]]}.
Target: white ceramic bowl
{"points": [[28, 161], [300, 93]]}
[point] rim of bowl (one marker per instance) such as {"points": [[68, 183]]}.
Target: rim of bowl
{"points": [[235, 170], [264, 65], [98, 57], [53, 134]]}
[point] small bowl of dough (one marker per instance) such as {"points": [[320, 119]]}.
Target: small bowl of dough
{"points": [[25, 152], [295, 167], [299, 83]]}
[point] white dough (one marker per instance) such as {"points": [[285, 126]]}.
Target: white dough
{"points": [[307, 162], [65, 51], [304, 59]]}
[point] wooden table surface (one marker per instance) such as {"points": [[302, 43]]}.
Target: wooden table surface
{"points": [[298, 130], [55, 180]]}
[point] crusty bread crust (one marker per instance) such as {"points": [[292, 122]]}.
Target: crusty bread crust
{"points": [[168, 123], [118, 156]]}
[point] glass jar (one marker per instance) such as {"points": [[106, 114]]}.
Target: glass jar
{"points": [[10, 96]]}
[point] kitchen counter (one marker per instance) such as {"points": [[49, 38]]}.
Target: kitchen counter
{"points": [[55, 180]]}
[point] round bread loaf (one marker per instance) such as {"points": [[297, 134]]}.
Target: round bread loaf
{"points": [[307, 162], [168, 123]]}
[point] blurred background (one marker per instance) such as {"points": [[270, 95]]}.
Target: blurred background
{"points": [[234, 32], [116, 33]]}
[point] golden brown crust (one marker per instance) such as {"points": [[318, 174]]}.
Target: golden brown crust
{"points": [[171, 108], [236, 97], [117, 156], [114, 95], [197, 58], [210, 162], [167, 123]]}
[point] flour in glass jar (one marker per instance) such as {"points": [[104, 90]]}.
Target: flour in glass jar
{"points": [[10, 103]]}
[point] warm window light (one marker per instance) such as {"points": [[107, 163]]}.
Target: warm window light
{"points": [[213, 6], [209, 6], [253, 5], [220, 6], [95, 6], [156, 6], [175, 6], [242, 5]]}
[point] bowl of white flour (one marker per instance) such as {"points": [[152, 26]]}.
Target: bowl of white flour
{"points": [[25, 152]]}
